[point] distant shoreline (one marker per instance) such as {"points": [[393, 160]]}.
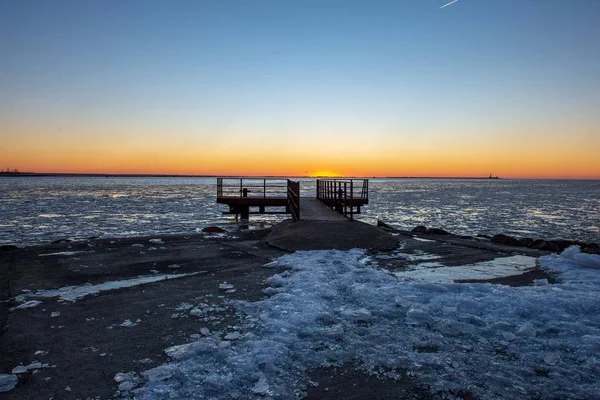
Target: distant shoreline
{"points": [[93, 175], [66, 174]]}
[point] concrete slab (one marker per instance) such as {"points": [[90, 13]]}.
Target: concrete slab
{"points": [[329, 234], [312, 209]]}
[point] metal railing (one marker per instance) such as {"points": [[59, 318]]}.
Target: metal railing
{"points": [[251, 187], [293, 196], [343, 194]]}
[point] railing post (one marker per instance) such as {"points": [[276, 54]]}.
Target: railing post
{"points": [[264, 188], [241, 186], [317, 189], [351, 200]]}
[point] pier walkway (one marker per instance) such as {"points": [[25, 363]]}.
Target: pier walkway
{"points": [[315, 210], [325, 221]]}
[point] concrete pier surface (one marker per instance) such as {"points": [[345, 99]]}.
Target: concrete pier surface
{"points": [[313, 210], [81, 345]]}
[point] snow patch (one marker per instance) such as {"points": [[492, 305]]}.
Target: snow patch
{"points": [[335, 307], [27, 304], [74, 293], [62, 253]]}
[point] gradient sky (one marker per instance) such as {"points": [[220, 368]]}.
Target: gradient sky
{"points": [[364, 88]]}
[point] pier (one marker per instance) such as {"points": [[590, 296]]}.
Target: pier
{"points": [[334, 198]]}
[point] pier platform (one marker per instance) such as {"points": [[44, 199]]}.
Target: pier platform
{"points": [[249, 195]]}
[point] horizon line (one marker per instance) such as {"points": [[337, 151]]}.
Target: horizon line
{"points": [[155, 175]]}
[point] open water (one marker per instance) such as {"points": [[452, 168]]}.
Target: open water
{"points": [[36, 210]]}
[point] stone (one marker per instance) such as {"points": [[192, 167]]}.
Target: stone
{"points": [[505, 239], [548, 245], [213, 229], [437, 231], [525, 242], [554, 245], [537, 244], [419, 229], [8, 247], [591, 248], [382, 224], [61, 241]]}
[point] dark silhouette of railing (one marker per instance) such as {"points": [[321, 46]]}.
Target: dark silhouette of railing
{"points": [[293, 195], [344, 195], [242, 193], [251, 187]]}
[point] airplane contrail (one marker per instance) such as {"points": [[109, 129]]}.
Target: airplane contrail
{"points": [[446, 5]]}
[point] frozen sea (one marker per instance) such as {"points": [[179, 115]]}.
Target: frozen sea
{"points": [[36, 210]]}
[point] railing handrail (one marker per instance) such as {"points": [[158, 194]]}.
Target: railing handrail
{"points": [[236, 187], [340, 193], [293, 196]]}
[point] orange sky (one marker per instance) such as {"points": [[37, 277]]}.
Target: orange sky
{"points": [[457, 155]]}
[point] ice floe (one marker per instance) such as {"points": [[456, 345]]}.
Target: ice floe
{"points": [[498, 267], [8, 382]]}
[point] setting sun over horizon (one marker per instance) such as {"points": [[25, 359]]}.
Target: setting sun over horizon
{"points": [[389, 89]]}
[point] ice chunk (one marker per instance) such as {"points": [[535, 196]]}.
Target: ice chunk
{"points": [[402, 302], [128, 323], [19, 369], [8, 382], [276, 280], [225, 286], [540, 282], [55, 314], [526, 329], [179, 351], [138, 245], [551, 358], [417, 314], [156, 241], [122, 376], [160, 373], [570, 252], [261, 387], [27, 304], [197, 312], [588, 260], [205, 331], [233, 336], [127, 385]]}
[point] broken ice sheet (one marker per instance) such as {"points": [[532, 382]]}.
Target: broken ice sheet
{"points": [[8, 382], [225, 286], [468, 325]]}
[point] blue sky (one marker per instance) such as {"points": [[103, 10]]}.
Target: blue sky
{"points": [[378, 71]]}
